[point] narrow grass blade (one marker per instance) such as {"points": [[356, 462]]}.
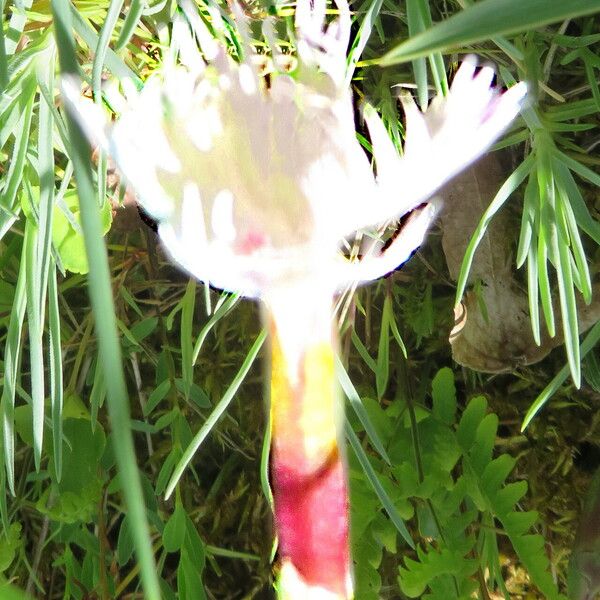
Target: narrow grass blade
{"points": [[357, 405], [16, 26], [577, 167], [364, 353], [45, 169], [220, 312], [8, 208], [383, 350], [576, 201], [509, 186], [362, 37], [134, 14], [216, 414], [528, 219], [12, 354], [36, 331], [104, 313], [487, 19], [544, 279], [264, 465], [3, 61], [112, 60], [533, 293], [385, 500], [591, 339], [56, 367], [419, 65], [568, 307], [564, 208], [188, 304]]}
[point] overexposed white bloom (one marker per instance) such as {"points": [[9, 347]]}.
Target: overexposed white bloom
{"points": [[255, 186]]}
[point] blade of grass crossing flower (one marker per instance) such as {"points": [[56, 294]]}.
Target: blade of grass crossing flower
{"points": [[509, 186], [362, 37], [419, 65], [134, 14], [357, 405], [216, 414], [436, 61], [500, 41], [591, 339], [36, 331], [8, 209], [377, 487], [481, 21], [12, 356], [56, 378], [188, 303], [104, 313]]}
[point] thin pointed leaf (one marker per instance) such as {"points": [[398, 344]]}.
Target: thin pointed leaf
{"points": [[591, 339], [216, 414], [533, 289], [12, 354], [509, 186], [487, 19], [377, 487], [357, 405], [104, 313], [56, 367], [36, 331], [134, 14]]}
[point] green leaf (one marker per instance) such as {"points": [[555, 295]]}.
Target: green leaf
{"points": [[216, 413], [591, 339], [377, 487], [357, 405], [469, 422], [67, 234], [383, 350], [174, 532], [104, 313], [484, 20], [504, 193], [444, 396]]}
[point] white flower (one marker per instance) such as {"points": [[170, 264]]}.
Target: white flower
{"points": [[254, 187]]}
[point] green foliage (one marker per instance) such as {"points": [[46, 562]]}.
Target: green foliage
{"points": [[447, 484]]}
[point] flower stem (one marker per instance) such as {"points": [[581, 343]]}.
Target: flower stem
{"points": [[308, 470]]}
